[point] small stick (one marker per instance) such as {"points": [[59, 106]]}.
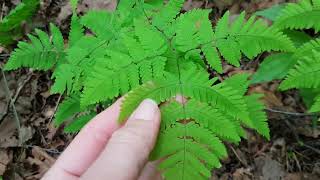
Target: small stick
{"points": [[14, 99], [235, 153], [291, 113], [55, 108]]}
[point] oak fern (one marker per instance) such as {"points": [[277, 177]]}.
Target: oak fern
{"points": [[146, 50]]}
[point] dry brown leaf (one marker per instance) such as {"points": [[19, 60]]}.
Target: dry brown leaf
{"points": [[5, 158], [270, 99]]}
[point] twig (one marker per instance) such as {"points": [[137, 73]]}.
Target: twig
{"points": [[301, 143], [11, 103], [238, 157], [15, 97], [290, 113], [311, 148], [55, 108]]}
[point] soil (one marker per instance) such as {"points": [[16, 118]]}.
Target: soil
{"points": [[29, 143]]}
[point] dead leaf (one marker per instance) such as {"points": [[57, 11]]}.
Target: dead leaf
{"points": [[191, 4], [42, 160], [269, 169], [242, 174], [8, 129], [5, 158], [270, 99]]}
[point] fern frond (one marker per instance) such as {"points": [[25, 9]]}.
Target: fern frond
{"points": [[153, 46], [122, 71], [193, 152], [167, 14], [316, 105], [305, 74], [208, 116], [63, 76], [22, 12], [238, 82], [306, 50], [76, 30], [41, 53], [258, 118], [118, 75], [191, 83], [67, 109], [77, 124], [192, 30], [302, 15], [250, 38], [99, 22]]}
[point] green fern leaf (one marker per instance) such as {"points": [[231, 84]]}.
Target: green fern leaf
{"points": [[305, 74], [22, 12], [302, 15], [239, 82], [208, 116], [67, 109], [76, 30], [250, 38], [77, 124], [63, 76], [40, 54], [190, 84], [191, 145], [152, 46], [114, 77], [306, 49], [258, 118], [74, 4], [99, 22], [167, 14], [57, 38], [316, 105]]}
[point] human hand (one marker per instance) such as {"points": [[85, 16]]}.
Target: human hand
{"points": [[105, 150]]}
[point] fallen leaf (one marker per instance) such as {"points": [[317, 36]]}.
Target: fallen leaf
{"points": [[269, 169]]}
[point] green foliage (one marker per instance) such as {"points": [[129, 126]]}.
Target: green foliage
{"points": [[301, 68], [302, 15], [77, 124], [9, 25], [151, 50], [41, 53], [305, 74], [316, 106], [271, 13], [67, 109], [280, 64]]}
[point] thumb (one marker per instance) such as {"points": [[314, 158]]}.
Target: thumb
{"points": [[129, 147]]}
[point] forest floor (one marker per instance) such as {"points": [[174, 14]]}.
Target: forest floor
{"points": [[293, 153]]}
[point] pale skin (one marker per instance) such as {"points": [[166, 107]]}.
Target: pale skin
{"points": [[103, 149]]}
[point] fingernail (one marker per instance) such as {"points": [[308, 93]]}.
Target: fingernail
{"points": [[145, 111]]}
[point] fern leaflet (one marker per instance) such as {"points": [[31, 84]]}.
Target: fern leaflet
{"points": [[302, 15]]}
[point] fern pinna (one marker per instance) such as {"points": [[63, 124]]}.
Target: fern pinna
{"points": [[151, 50], [305, 67], [9, 25]]}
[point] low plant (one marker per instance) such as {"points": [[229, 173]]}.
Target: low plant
{"points": [[10, 28], [301, 68], [152, 50]]}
